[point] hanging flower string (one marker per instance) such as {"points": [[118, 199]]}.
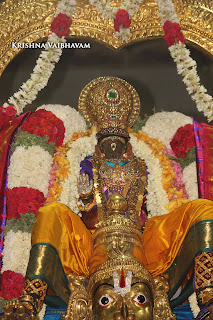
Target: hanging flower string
{"points": [[47, 59], [121, 17], [45, 64], [122, 23], [186, 66]]}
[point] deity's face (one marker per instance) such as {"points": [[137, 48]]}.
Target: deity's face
{"points": [[135, 305], [113, 147]]}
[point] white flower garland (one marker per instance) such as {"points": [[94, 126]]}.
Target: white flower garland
{"points": [[186, 66], [16, 251], [44, 65], [157, 198], [190, 180], [16, 255], [109, 12], [163, 125], [39, 78], [79, 150], [167, 11], [72, 120], [30, 168], [66, 7]]}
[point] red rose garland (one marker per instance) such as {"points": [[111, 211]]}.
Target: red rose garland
{"points": [[11, 284], [61, 24], [122, 19], [183, 141], [172, 33], [45, 123], [23, 200]]}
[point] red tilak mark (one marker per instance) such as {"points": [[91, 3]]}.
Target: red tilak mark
{"points": [[122, 281]]}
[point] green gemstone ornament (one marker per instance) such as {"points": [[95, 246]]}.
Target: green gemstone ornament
{"points": [[112, 94]]}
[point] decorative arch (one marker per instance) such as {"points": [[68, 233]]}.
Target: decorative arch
{"points": [[29, 21]]}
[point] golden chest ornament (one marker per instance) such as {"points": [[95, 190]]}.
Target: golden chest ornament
{"points": [[127, 179]]}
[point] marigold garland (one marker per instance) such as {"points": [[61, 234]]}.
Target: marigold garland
{"points": [[62, 166]]}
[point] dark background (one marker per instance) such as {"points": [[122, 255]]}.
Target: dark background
{"points": [[146, 65]]}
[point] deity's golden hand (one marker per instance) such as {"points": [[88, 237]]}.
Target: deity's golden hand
{"points": [[85, 185], [86, 200]]}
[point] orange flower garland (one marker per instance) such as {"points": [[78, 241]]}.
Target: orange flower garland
{"points": [[168, 175], [63, 165]]}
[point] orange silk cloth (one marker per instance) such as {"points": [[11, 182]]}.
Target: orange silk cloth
{"points": [[58, 226], [163, 236]]}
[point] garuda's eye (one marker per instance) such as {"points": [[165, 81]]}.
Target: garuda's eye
{"points": [[104, 301], [140, 299]]}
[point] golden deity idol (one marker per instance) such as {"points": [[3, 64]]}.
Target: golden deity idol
{"points": [[115, 262]]}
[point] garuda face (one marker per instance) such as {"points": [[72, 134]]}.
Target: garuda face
{"points": [[137, 304]]}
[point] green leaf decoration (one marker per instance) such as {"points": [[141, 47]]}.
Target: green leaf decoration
{"points": [[24, 224], [140, 123], [189, 158], [26, 139]]}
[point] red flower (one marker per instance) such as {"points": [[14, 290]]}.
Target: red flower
{"points": [[61, 25], [183, 141], [6, 115], [23, 200], [11, 111], [122, 19], [11, 285], [22, 207], [45, 123], [172, 33]]}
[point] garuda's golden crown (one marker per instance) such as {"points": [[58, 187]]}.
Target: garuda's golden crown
{"points": [[111, 104]]}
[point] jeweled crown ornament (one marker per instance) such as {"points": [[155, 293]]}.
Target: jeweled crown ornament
{"points": [[111, 104]]}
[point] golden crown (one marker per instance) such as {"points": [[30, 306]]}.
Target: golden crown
{"points": [[111, 104]]}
